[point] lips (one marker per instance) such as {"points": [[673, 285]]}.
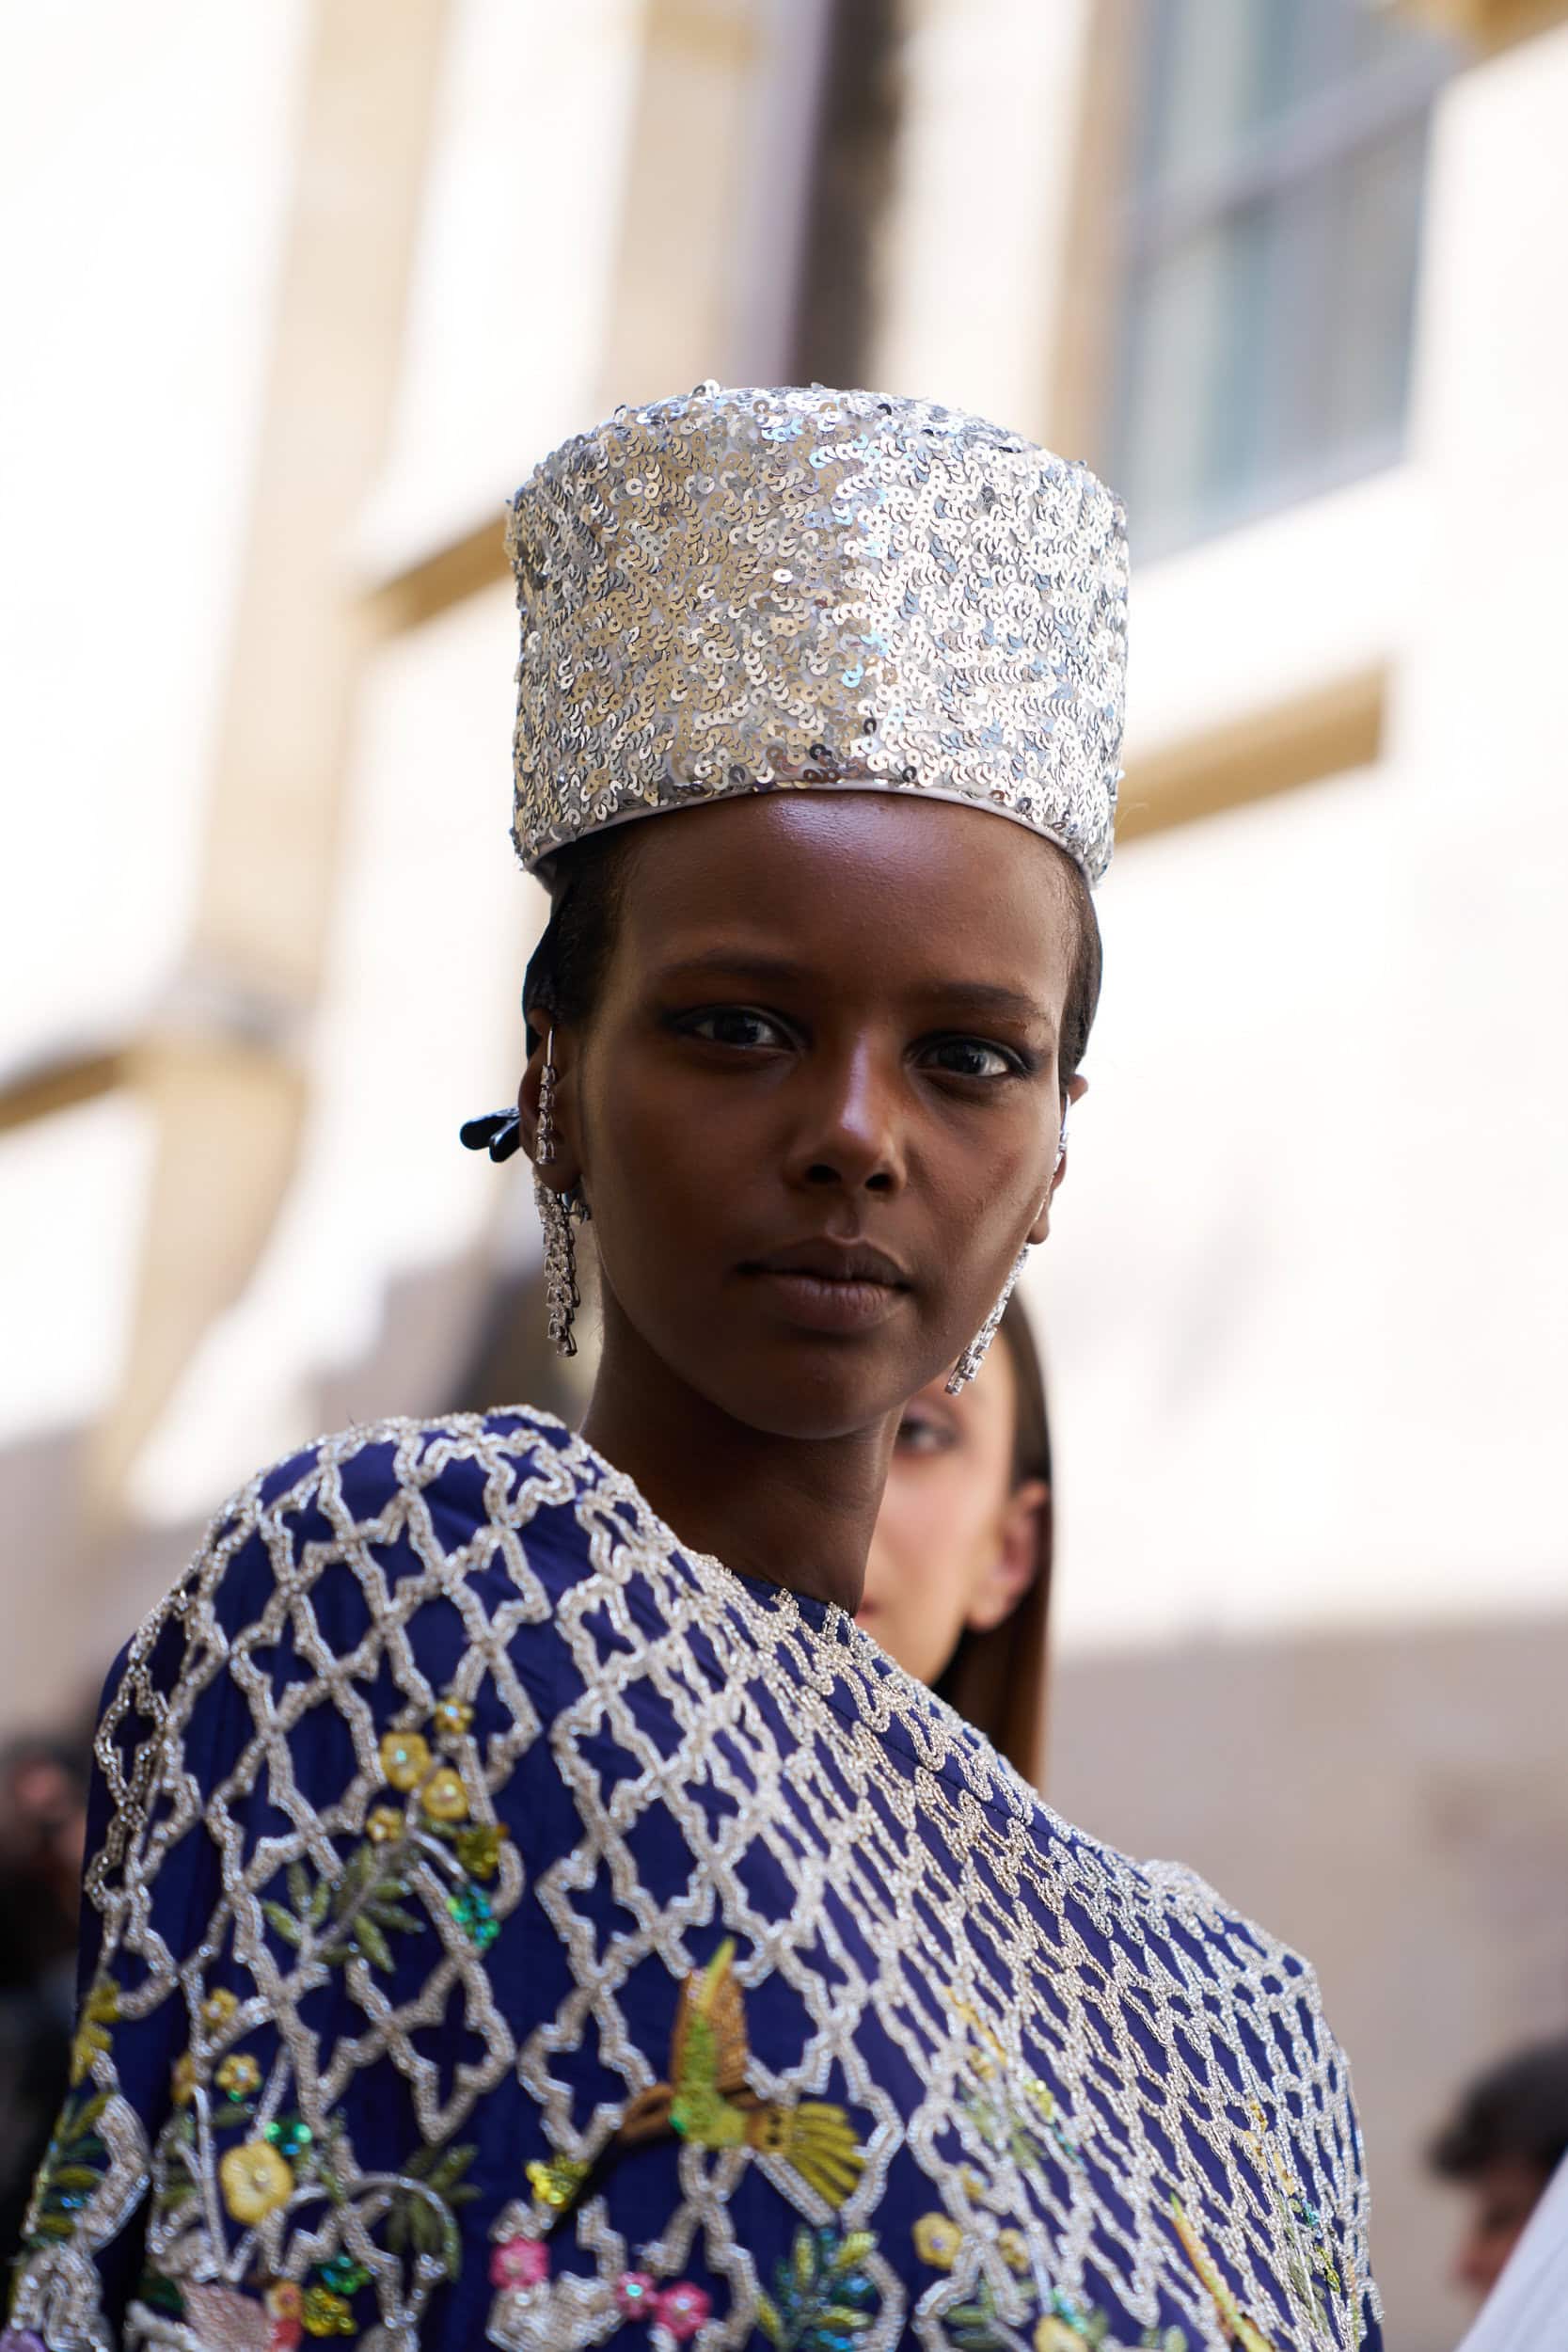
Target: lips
{"points": [[832, 1261], [829, 1286]]}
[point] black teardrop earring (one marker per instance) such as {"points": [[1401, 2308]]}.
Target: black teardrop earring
{"points": [[500, 1133]]}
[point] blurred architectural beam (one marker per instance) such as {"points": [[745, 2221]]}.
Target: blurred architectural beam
{"points": [[230, 1099], [444, 578], [1331, 731], [58, 1084], [1488, 24]]}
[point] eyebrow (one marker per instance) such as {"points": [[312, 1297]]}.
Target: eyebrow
{"points": [[977, 995]]}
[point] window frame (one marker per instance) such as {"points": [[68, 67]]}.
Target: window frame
{"points": [[1350, 114]]}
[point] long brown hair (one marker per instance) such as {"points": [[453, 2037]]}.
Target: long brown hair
{"points": [[998, 1679]]}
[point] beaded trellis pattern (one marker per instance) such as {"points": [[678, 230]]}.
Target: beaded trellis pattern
{"points": [[739, 590], [510, 1927]]}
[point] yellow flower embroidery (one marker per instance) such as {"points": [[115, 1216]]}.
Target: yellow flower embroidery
{"points": [[444, 1797], [99, 2012], [452, 1717], [239, 2074], [1054, 2335], [256, 2181], [182, 2087], [405, 1758], [383, 1824], [217, 2008], [556, 2183], [1014, 2251], [937, 2240], [479, 1849], [325, 2314]]}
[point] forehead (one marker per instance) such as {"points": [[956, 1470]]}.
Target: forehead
{"points": [[856, 881]]}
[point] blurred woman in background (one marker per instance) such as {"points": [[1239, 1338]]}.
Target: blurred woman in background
{"points": [[958, 1587]]}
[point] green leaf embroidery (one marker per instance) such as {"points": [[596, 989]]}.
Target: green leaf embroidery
{"points": [[286, 1925], [370, 1942], [426, 2220], [822, 2294], [72, 2171]]}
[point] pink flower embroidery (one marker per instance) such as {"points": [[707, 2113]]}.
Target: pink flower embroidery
{"points": [[635, 2294], [682, 2309], [520, 2262]]}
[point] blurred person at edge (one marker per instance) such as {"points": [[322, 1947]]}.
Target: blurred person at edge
{"points": [[958, 1586], [1505, 2139], [42, 1831]]}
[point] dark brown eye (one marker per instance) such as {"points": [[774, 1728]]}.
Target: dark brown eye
{"points": [[733, 1024], [972, 1057]]}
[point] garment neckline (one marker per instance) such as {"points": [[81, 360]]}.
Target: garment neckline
{"points": [[824, 1616]]}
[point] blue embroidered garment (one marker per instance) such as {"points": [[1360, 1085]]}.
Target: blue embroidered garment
{"points": [[507, 1926]]}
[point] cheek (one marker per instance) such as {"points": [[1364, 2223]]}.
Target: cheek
{"points": [[922, 1566], [653, 1187]]}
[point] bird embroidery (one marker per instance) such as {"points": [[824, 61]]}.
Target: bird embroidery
{"points": [[706, 2102]]}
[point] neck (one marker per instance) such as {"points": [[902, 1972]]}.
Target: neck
{"points": [[794, 1511]]}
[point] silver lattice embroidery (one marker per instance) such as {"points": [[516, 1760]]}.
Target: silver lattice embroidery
{"points": [[429, 1689]]}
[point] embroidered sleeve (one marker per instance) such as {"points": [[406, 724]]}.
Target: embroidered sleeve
{"points": [[300, 1872]]}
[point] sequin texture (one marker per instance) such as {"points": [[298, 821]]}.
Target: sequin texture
{"points": [[743, 589]]}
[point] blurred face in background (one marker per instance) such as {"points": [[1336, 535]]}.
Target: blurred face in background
{"points": [[957, 1544], [1503, 2194]]}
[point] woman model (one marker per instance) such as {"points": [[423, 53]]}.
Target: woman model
{"points": [[525, 1909], [958, 1581]]}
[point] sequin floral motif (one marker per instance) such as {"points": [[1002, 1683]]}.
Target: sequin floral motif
{"points": [[72, 2170], [823, 2296]]}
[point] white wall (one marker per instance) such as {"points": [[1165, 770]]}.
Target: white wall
{"points": [[1309, 1295], [144, 168], [513, 269], [420, 1028]]}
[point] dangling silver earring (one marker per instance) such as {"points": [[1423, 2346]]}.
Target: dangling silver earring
{"points": [[543, 1133], [974, 1355], [556, 1212], [561, 1266]]}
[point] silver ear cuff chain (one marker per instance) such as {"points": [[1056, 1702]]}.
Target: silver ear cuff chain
{"points": [[500, 1133]]}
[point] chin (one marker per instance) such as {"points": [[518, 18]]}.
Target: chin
{"points": [[812, 1395]]}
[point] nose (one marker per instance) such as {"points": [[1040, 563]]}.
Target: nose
{"points": [[848, 1134]]}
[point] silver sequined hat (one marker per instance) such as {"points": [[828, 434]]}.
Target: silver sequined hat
{"points": [[739, 590]]}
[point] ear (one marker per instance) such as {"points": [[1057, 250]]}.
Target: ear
{"points": [[1074, 1091], [564, 1169], [1018, 1558]]}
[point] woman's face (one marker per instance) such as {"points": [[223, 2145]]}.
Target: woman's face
{"points": [[957, 1544], [815, 1110]]}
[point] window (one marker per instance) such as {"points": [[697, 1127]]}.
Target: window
{"points": [[1270, 255]]}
